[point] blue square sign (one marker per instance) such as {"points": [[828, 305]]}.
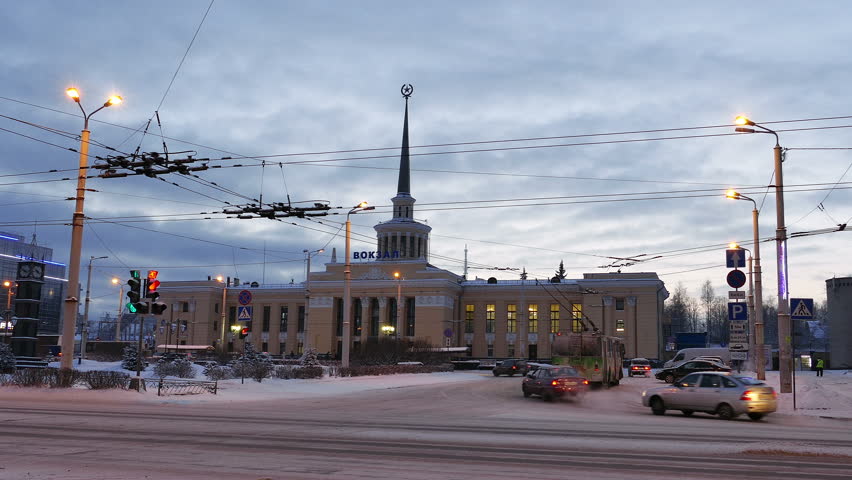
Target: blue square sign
{"points": [[737, 311], [802, 308], [735, 258]]}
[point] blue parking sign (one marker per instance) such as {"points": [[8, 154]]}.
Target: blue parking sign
{"points": [[737, 311]]}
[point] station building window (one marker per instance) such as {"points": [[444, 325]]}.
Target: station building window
{"points": [[533, 309], [283, 319], [512, 318], [490, 319], [490, 350], [619, 304], [576, 317], [469, 311], [511, 350], [619, 325], [554, 318]]}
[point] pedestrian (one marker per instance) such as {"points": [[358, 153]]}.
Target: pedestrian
{"points": [[819, 366]]}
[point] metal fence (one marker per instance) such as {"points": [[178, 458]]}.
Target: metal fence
{"points": [[181, 387]]}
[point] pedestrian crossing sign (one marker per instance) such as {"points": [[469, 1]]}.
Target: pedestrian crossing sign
{"points": [[244, 313], [802, 308]]}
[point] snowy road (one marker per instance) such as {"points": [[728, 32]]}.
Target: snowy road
{"points": [[479, 427]]}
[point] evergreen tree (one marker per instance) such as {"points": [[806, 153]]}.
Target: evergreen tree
{"points": [[7, 359], [309, 359], [560, 272], [130, 358], [252, 364]]}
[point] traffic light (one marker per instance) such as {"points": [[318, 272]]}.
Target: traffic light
{"points": [[134, 294], [157, 308], [244, 332]]}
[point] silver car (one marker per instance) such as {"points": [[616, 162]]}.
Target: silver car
{"points": [[717, 393]]}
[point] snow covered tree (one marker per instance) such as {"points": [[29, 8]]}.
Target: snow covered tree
{"points": [[252, 364], [7, 359], [175, 366], [309, 359], [130, 358], [560, 272]]}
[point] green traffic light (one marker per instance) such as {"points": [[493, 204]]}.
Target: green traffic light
{"points": [[134, 273], [131, 308]]}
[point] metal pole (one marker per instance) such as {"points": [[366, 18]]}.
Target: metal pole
{"points": [[399, 308], [347, 313], [118, 318], [84, 330], [785, 356], [69, 311], [750, 304], [307, 300], [222, 326], [140, 357], [760, 349]]}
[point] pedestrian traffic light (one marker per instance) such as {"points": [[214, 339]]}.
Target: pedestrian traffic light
{"points": [[244, 332], [134, 294]]}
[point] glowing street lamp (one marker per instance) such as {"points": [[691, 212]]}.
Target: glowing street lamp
{"points": [[785, 354], [69, 312]]}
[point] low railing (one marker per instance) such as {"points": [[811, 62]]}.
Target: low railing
{"points": [[181, 387]]}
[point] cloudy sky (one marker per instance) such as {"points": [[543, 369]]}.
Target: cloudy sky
{"points": [[534, 98]]}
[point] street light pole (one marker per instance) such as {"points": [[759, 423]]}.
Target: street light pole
{"points": [[69, 312], [347, 277], [7, 315], [116, 281], [760, 353], [222, 319], [84, 330], [399, 309], [785, 354], [308, 254]]}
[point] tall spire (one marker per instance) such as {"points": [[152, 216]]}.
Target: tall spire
{"points": [[404, 185]]}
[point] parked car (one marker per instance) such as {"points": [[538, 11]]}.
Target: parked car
{"points": [[639, 366], [555, 382], [511, 367], [673, 374], [711, 358], [716, 393], [685, 354]]}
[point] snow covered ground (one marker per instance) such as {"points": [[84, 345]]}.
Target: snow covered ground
{"points": [[829, 396]]}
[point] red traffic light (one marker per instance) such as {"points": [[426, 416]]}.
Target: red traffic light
{"points": [[153, 283], [244, 331]]}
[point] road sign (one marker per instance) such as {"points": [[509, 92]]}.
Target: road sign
{"points": [[737, 326], [738, 337], [737, 311], [739, 355], [244, 313], [738, 347], [735, 258], [244, 297], [736, 295], [802, 308], [736, 278], [448, 333]]}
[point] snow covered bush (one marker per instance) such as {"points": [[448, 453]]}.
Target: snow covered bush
{"points": [[284, 372], [100, 380], [218, 372], [309, 358], [307, 372], [7, 359], [130, 358], [174, 366], [63, 378], [252, 364]]}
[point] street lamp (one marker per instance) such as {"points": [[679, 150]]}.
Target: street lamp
{"points": [[69, 312], [84, 330], [758, 287], [347, 275], [785, 357], [399, 308], [308, 255], [7, 315], [222, 319], [116, 281]]}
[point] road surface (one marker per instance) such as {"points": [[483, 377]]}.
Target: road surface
{"points": [[478, 429]]}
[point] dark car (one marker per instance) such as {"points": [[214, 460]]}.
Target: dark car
{"points": [[673, 374], [555, 382], [511, 367], [639, 366]]}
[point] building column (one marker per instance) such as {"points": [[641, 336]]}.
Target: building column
{"points": [[383, 312], [606, 312], [365, 318], [634, 321]]}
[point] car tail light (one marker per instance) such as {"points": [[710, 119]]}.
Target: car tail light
{"points": [[749, 395], [585, 382], [555, 382], [647, 368], [514, 367], [774, 394]]}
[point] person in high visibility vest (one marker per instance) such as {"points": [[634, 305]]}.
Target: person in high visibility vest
{"points": [[820, 364]]}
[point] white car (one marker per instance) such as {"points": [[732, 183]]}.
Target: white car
{"points": [[716, 393]]}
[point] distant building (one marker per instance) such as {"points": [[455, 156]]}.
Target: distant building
{"points": [[839, 296], [13, 249], [491, 318]]}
